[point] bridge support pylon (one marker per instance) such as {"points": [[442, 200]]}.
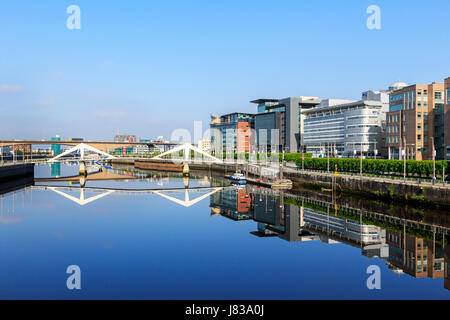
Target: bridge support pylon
{"points": [[82, 181], [186, 182], [186, 170], [83, 171]]}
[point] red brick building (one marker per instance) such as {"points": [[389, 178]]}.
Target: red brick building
{"points": [[410, 122]]}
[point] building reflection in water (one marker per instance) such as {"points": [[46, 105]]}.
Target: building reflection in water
{"points": [[56, 169], [309, 221]]}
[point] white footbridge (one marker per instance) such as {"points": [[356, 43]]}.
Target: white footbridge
{"points": [[185, 149]]}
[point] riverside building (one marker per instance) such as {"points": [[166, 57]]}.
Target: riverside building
{"points": [[285, 117], [347, 128], [231, 133], [447, 119], [415, 122]]}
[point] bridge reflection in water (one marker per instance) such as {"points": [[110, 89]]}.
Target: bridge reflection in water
{"points": [[410, 247]]}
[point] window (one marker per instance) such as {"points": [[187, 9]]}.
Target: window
{"points": [[419, 137], [438, 95], [419, 126], [419, 115]]}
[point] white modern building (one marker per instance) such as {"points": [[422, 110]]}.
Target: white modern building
{"points": [[347, 128], [141, 149], [204, 145]]}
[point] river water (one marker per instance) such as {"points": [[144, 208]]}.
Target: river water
{"points": [[211, 241]]}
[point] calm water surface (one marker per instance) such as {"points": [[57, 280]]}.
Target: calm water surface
{"points": [[216, 243]]}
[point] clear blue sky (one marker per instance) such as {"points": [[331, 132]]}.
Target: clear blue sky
{"points": [[149, 67]]}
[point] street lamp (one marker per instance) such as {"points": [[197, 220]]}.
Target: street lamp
{"points": [[404, 156], [375, 151], [360, 165], [328, 158], [434, 160]]}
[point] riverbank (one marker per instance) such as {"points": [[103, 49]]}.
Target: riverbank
{"points": [[14, 171], [421, 194], [376, 188]]}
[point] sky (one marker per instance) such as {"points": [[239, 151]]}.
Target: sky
{"points": [[150, 67]]}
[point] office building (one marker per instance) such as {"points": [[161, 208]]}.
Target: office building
{"points": [[125, 138], [347, 128], [341, 228], [232, 204], [447, 119], [415, 256], [6, 151], [415, 121], [141, 149], [22, 148], [284, 115], [270, 127], [204, 145], [55, 169], [231, 133], [56, 148]]}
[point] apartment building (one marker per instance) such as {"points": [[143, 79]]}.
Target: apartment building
{"points": [[204, 145], [415, 126]]}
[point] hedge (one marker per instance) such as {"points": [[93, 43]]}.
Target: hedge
{"points": [[287, 156], [377, 166]]}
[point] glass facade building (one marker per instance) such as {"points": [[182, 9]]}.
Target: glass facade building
{"points": [[232, 133], [345, 130], [56, 148]]}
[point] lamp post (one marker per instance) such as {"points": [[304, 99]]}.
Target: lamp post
{"points": [[361, 162], [328, 158], [434, 160], [375, 151], [404, 156], [404, 159]]}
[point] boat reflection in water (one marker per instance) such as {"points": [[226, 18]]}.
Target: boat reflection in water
{"points": [[410, 243], [297, 219]]}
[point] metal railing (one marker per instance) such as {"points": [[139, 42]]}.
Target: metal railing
{"points": [[389, 177]]}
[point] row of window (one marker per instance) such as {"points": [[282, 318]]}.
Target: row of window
{"points": [[362, 117], [394, 118], [361, 126], [362, 134], [393, 139]]}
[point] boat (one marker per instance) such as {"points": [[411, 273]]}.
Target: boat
{"points": [[238, 178]]}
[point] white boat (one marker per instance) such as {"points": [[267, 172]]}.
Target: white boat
{"points": [[238, 178]]}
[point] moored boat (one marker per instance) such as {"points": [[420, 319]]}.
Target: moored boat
{"points": [[238, 178]]}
